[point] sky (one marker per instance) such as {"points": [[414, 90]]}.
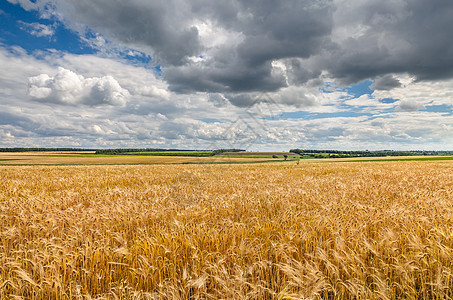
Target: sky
{"points": [[248, 74]]}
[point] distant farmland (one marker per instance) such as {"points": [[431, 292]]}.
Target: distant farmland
{"points": [[260, 154]]}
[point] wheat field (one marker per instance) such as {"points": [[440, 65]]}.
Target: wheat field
{"points": [[370, 230]]}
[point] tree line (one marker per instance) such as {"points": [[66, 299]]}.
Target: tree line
{"points": [[123, 151], [366, 153], [24, 149]]}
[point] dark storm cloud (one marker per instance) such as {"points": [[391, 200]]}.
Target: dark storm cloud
{"points": [[270, 31], [393, 37], [350, 41], [162, 25], [288, 29], [242, 100], [231, 77], [299, 72], [386, 83]]}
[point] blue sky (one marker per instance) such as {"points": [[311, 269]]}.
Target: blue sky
{"points": [[16, 30], [198, 74]]}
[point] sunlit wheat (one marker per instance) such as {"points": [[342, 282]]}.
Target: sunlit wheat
{"points": [[369, 230]]}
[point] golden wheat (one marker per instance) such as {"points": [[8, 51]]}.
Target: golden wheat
{"points": [[380, 230], [81, 158]]}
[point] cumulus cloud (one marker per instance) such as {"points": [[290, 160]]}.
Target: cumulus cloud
{"points": [[69, 88], [218, 58], [153, 91], [231, 46], [203, 45], [425, 93], [258, 35], [238, 47]]}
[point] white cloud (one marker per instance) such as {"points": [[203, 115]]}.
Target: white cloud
{"points": [[38, 29], [363, 100], [369, 103], [137, 80], [409, 106], [296, 96], [152, 116], [153, 91], [26, 4], [419, 93], [67, 87], [6, 135], [212, 36]]}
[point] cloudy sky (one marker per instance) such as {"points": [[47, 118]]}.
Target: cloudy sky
{"points": [[203, 74]]}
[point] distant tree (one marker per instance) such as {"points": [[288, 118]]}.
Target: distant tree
{"points": [[219, 151]]}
